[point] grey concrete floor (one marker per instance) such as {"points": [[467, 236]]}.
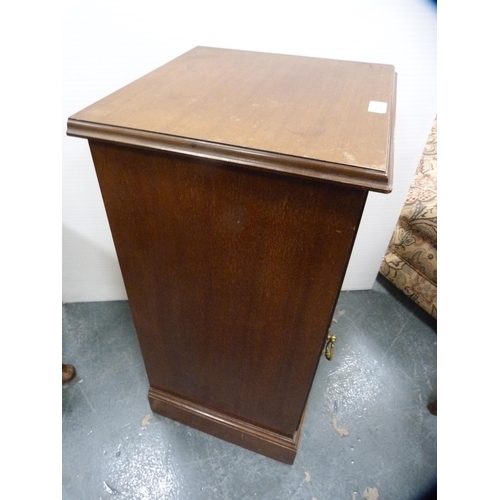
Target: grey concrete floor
{"points": [[368, 434]]}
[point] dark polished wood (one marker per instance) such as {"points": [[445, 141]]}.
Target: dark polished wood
{"points": [[224, 426], [301, 115], [233, 257]]}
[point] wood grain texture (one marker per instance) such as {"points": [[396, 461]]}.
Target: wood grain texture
{"points": [[232, 276], [223, 426], [260, 106], [234, 184]]}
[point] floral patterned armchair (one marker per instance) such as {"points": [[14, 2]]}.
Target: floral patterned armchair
{"points": [[410, 262]]}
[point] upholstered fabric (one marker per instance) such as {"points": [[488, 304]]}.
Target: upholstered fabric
{"points": [[411, 259]]}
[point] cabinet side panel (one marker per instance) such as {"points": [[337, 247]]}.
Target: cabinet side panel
{"points": [[232, 275]]}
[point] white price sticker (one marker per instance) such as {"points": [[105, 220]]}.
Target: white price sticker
{"points": [[377, 107]]}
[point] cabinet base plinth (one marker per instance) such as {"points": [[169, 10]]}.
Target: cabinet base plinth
{"points": [[228, 428]]}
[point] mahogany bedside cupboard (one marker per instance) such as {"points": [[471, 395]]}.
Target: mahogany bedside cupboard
{"points": [[234, 183]]}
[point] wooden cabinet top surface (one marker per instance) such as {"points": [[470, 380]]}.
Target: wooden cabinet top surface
{"points": [[313, 117]]}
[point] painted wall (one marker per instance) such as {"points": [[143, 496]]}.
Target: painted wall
{"points": [[107, 44]]}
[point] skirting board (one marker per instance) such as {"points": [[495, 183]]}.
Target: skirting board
{"points": [[228, 428]]}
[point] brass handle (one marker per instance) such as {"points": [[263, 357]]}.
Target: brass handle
{"points": [[329, 347]]}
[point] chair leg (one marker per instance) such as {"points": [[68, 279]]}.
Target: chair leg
{"points": [[68, 373], [433, 407]]}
